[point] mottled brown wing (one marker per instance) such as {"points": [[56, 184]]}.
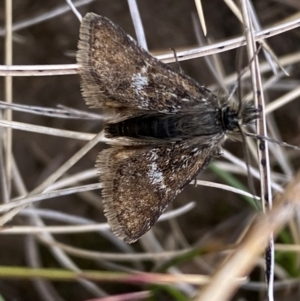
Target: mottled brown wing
{"points": [[139, 183], [115, 72]]}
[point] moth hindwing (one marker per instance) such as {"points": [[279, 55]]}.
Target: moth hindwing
{"points": [[163, 126]]}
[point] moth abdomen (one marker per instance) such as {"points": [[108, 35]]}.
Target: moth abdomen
{"points": [[145, 126], [167, 126]]}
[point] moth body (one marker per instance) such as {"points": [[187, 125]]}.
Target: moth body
{"points": [[167, 127]]}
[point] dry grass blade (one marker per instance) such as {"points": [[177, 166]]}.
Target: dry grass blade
{"points": [[253, 244], [52, 156]]}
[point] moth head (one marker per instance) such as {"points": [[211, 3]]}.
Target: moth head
{"points": [[234, 117]]}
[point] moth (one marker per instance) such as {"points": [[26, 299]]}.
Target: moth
{"points": [[164, 128]]}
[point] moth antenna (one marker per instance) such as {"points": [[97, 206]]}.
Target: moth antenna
{"points": [[238, 87], [247, 160], [259, 137], [239, 59], [240, 75], [176, 60]]}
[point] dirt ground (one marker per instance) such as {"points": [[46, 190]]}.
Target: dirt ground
{"points": [[218, 215]]}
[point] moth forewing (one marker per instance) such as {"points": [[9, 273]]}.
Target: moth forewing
{"points": [[117, 73], [139, 182], [163, 126]]}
